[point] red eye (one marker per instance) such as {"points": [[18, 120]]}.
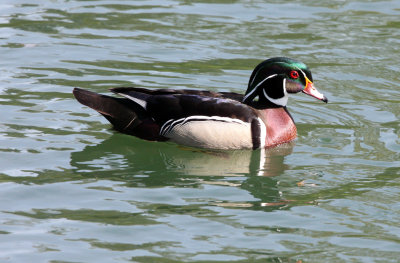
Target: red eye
{"points": [[294, 74]]}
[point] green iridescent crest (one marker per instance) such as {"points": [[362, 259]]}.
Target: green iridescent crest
{"points": [[275, 77]]}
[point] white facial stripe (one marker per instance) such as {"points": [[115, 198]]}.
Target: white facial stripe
{"points": [[253, 90], [280, 101], [305, 77], [255, 75], [302, 72]]}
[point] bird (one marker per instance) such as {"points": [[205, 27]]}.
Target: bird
{"points": [[209, 119]]}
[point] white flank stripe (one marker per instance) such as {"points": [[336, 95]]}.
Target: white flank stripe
{"points": [[263, 133], [216, 118], [253, 90], [170, 124], [164, 126], [142, 103], [169, 127]]}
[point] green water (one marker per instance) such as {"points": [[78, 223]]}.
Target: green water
{"points": [[73, 190]]}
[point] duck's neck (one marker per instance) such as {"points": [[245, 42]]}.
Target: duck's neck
{"points": [[263, 103]]}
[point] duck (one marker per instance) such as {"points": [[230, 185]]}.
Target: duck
{"points": [[209, 119]]}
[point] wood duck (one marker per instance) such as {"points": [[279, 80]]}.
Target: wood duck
{"points": [[207, 119]]}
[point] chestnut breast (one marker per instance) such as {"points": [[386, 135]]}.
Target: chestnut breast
{"points": [[280, 127]]}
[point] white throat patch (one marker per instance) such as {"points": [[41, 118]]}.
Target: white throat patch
{"points": [[280, 101]]}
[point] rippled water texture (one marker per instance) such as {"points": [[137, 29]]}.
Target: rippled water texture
{"points": [[73, 190]]}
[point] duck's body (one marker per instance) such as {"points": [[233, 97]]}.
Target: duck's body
{"points": [[208, 119]]}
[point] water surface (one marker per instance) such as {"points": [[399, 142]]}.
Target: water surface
{"points": [[73, 190]]}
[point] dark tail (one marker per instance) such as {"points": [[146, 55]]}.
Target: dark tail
{"points": [[114, 109], [125, 115]]}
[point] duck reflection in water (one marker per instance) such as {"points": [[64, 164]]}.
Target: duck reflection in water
{"points": [[152, 164], [114, 154]]}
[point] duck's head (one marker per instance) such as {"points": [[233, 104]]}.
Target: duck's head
{"points": [[275, 78]]}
